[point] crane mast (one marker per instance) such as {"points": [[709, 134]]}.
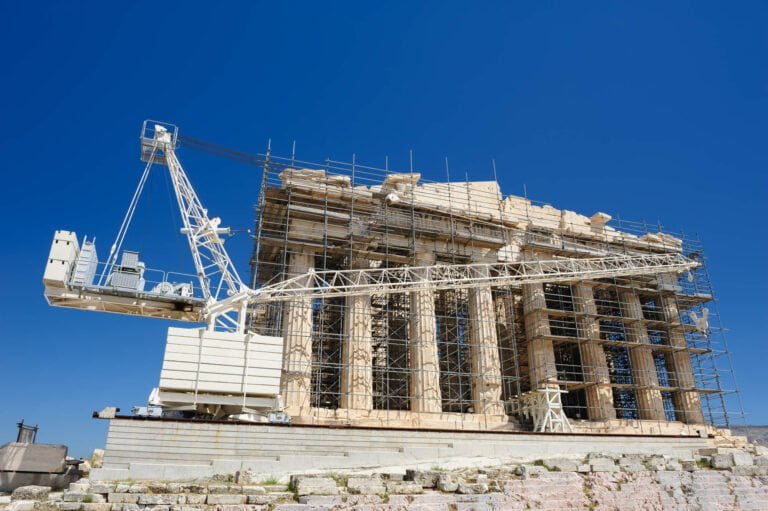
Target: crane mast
{"points": [[216, 273]]}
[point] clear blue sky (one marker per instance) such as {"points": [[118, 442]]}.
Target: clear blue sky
{"points": [[645, 110]]}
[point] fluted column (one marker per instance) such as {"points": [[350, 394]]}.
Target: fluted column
{"points": [[687, 402], [541, 353], [422, 350], [296, 381], [649, 403], [357, 351], [484, 353], [599, 392]]}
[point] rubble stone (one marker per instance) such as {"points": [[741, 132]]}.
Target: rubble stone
{"points": [[603, 465], [314, 486], [721, 461], [123, 498], [245, 477], [158, 499], [562, 465], [31, 493], [742, 458], [447, 482], [365, 486], [226, 499], [472, 488], [526, 471], [403, 487], [426, 478]]}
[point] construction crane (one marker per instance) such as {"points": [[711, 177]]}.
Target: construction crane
{"points": [[216, 295]]}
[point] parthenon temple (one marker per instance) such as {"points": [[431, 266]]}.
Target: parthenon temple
{"points": [[598, 355]]}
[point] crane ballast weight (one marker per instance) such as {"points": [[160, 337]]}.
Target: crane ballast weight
{"points": [[217, 297]]}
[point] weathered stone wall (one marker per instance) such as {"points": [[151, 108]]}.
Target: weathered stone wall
{"points": [[718, 478]]}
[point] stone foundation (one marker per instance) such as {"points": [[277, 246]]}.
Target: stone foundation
{"points": [[716, 478]]}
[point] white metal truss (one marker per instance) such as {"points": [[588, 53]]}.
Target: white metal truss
{"points": [[340, 283], [545, 407], [217, 274]]}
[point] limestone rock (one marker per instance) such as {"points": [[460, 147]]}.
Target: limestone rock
{"points": [[226, 499], [22, 505], [721, 461], [742, 458], [123, 498], [603, 465], [195, 498], [80, 486], [561, 465], [674, 465], [447, 482], [689, 465], [31, 493], [320, 501], [631, 464], [102, 488], [245, 477], [73, 496], [403, 488], [526, 471], [158, 499], [365, 486], [304, 485], [745, 470], [263, 500], [472, 488], [97, 458], [426, 478]]}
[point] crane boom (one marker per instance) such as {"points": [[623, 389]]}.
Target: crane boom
{"points": [[341, 283]]}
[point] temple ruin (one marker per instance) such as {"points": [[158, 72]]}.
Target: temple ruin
{"points": [[608, 352]]}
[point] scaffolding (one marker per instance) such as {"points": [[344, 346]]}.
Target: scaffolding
{"points": [[646, 348]]}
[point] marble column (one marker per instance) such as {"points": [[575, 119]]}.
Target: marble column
{"points": [[296, 381], [357, 351], [644, 376], [687, 402], [541, 353], [422, 350], [598, 391], [484, 353]]}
